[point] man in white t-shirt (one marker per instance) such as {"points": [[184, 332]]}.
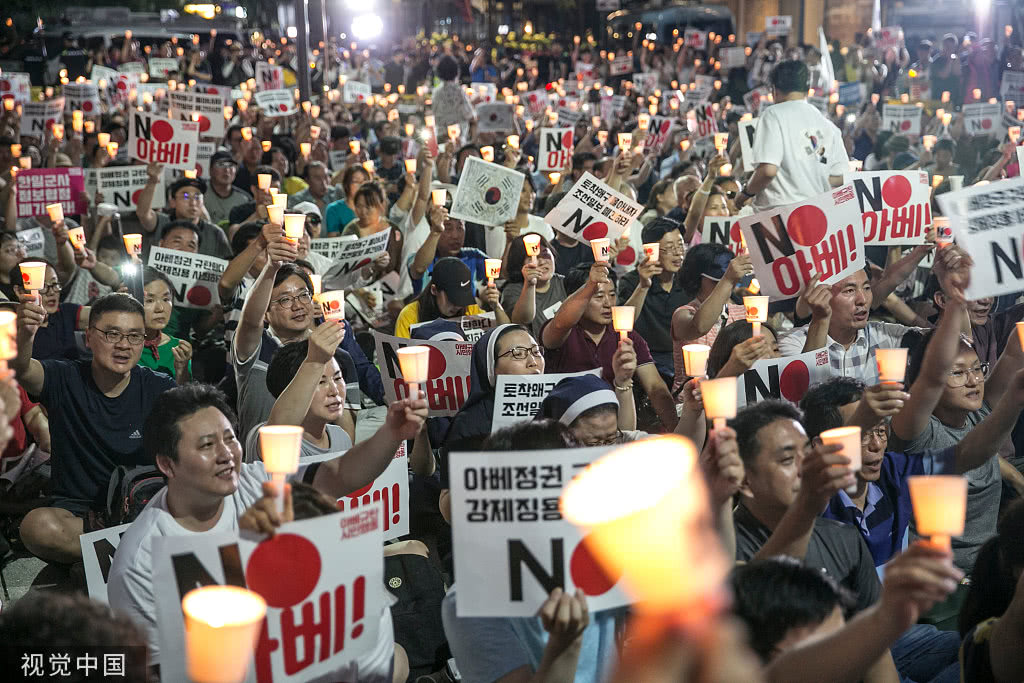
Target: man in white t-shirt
{"points": [[190, 434], [798, 153]]}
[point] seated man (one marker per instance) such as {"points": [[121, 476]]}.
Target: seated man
{"points": [[191, 436], [184, 203], [96, 409]]}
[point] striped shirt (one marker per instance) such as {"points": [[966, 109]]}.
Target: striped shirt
{"points": [[858, 361]]}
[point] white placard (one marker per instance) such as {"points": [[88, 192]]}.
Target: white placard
{"points": [[174, 144], [592, 210], [448, 385], [1012, 86], [747, 131], [98, 549], [658, 133], [209, 107], [723, 230], [536, 101], [16, 85], [982, 118], [622, 65], [733, 57], [487, 193], [275, 102], [391, 490], [787, 378], [695, 38], [351, 256], [555, 149], [354, 91], [778, 25], [890, 37], [895, 206], [162, 67], [84, 97], [646, 82], [517, 398], [32, 242], [194, 276], [705, 122], [902, 119], [38, 117], [122, 185], [269, 77], [495, 117], [758, 99], [568, 116]]}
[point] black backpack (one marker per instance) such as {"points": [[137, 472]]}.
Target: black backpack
{"points": [[129, 490]]}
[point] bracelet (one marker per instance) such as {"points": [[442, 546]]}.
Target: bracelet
{"points": [[628, 386], [746, 194]]}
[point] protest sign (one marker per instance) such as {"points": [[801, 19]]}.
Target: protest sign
{"points": [[495, 117], [592, 210], [555, 149], [84, 97], [98, 549], [132, 68], [354, 91], [920, 88], [38, 117], [328, 566], [790, 244], [536, 101], [487, 194], [32, 242], [183, 104], [851, 94], [733, 57], [472, 327], [275, 102], [723, 230], [194, 276], [902, 119], [350, 256], [448, 384], [269, 77], [165, 141], [221, 91], [786, 378], [646, 82], [757, 99], [38, 187], [568, 116], [518, 397], [658, 133], [122, 185], [15, 85], [622, 65], [391, 490], [330, 246], [1012, 86], [895, 206], [695, 39], [706, 122], [747, 130], [203, 156], [889, 38], [511, 545], [778, 25], [483, 92], [982, 118], [162, 67], [988, 223]]}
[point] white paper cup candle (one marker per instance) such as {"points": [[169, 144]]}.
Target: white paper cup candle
{"points": [[133, 245], [513, 141], [892, 365], [222, 624], [275, 214], [263, 181], [8, 340], [414, 361], [410, 166], [956, 183], [1020, 333], [625, 141], [492, 266], [849, 439], [643, 121], [652, 250], [332, 305], [439, 196], [294, 224], [1013, 132], [280, 446], [602, 249], [757, 311], [928, 141], [77, 237], [940, 506], [695, 359], [622, 320], [719, 399], [354, 146], [55, 212], [487, 153], [532, 245], [317, 281], [943, 231], [103, 139], [721, 141], [281, 199]]}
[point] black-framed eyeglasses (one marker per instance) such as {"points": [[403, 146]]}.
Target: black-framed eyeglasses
{"points": [[313, 218], [52, 287], [609, 441], [302, 297], [116, 336], [959, 377], [521, 352]]}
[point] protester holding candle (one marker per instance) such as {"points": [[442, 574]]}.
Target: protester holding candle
{"points": [[447, 237], [56, 335], [184, 202], [163, 352], [449, 295], [533, 292], [736, 349]]}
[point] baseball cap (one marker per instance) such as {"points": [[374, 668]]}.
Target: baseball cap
{"points": [[452, 277], [307, 208], [220, 156]]}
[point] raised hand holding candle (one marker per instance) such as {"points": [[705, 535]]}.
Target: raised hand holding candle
{"points": [[439, 196], [532, 245], [757, 311], [940, 506], [77, 237], [1020, 333], [414, 362], [721, 141], [263, 181], [622, 320], [492, 266], [487, 153], [133, 245], [332, 305], [103, 139], [55, 212], [695, 359], [943, 232], [892, 365], [849, 438], [33, 277], [222, 624], [280, 446], [513, 141], [275, 214], [720, 401], [652, 250], [294, 224], [410, 166], [625, 141], [601, 248]]}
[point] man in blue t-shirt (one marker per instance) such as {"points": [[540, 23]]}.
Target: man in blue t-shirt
{"points": [[96, 409]]}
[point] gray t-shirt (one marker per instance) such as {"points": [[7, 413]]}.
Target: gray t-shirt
{"points": [[547, 302], [984, 484], [212, 240], [337, 438], [219, 207]]}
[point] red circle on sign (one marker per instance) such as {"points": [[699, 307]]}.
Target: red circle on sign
{"points": [[896, 191], [199, 170], [335, 305], [122, 85], [204, 124], [162, 131], [199, 296], [986, 124], [752, 310], [794, 381], [905, 125], [492, 195], [282, 107], [595, 230], [284, 555], [807, 225], [437, 365], [364, 262], [587, 573], [734, 233], [626, 256], [87, 106], [135, 196], [567, 139], [533, 97], [25, 277]]}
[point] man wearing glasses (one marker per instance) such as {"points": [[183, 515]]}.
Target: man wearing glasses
{"points": [[96, 410], [184, 203], [223, 195]]}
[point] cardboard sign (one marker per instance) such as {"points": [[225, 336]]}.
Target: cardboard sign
{"points": [[645, 83], [555, 151], [472, 326], [354, 91], [982, 118], [1012, 86], [209, 107], [788, 245], [518, 397], [890, 37], [328, 566], [38, 117], [895, 206], [132, 68], [275, 102], [778, 25], [787, 378], [98, 549], [902, 119], [988, 223], [162, 67], [84, 97], [536, 101], [32, 242], [696, 39], [194, 276], [747, 130], [391, 490], [15, 85], [706, 122], [351, 256], [487, 194], [592, 210], [512, 547], [621, 65], [269, 77], [733, 57], [448, 384], [851, 94], [122, 185], [659, 133], [221, 91], [723, 230], [165, 141], [38, 187], [495, 117]]}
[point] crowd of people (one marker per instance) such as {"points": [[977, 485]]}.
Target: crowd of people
{"points": [[112, 368]]}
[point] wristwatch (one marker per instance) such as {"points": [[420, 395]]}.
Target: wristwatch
{"points": [[746, 194]]}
